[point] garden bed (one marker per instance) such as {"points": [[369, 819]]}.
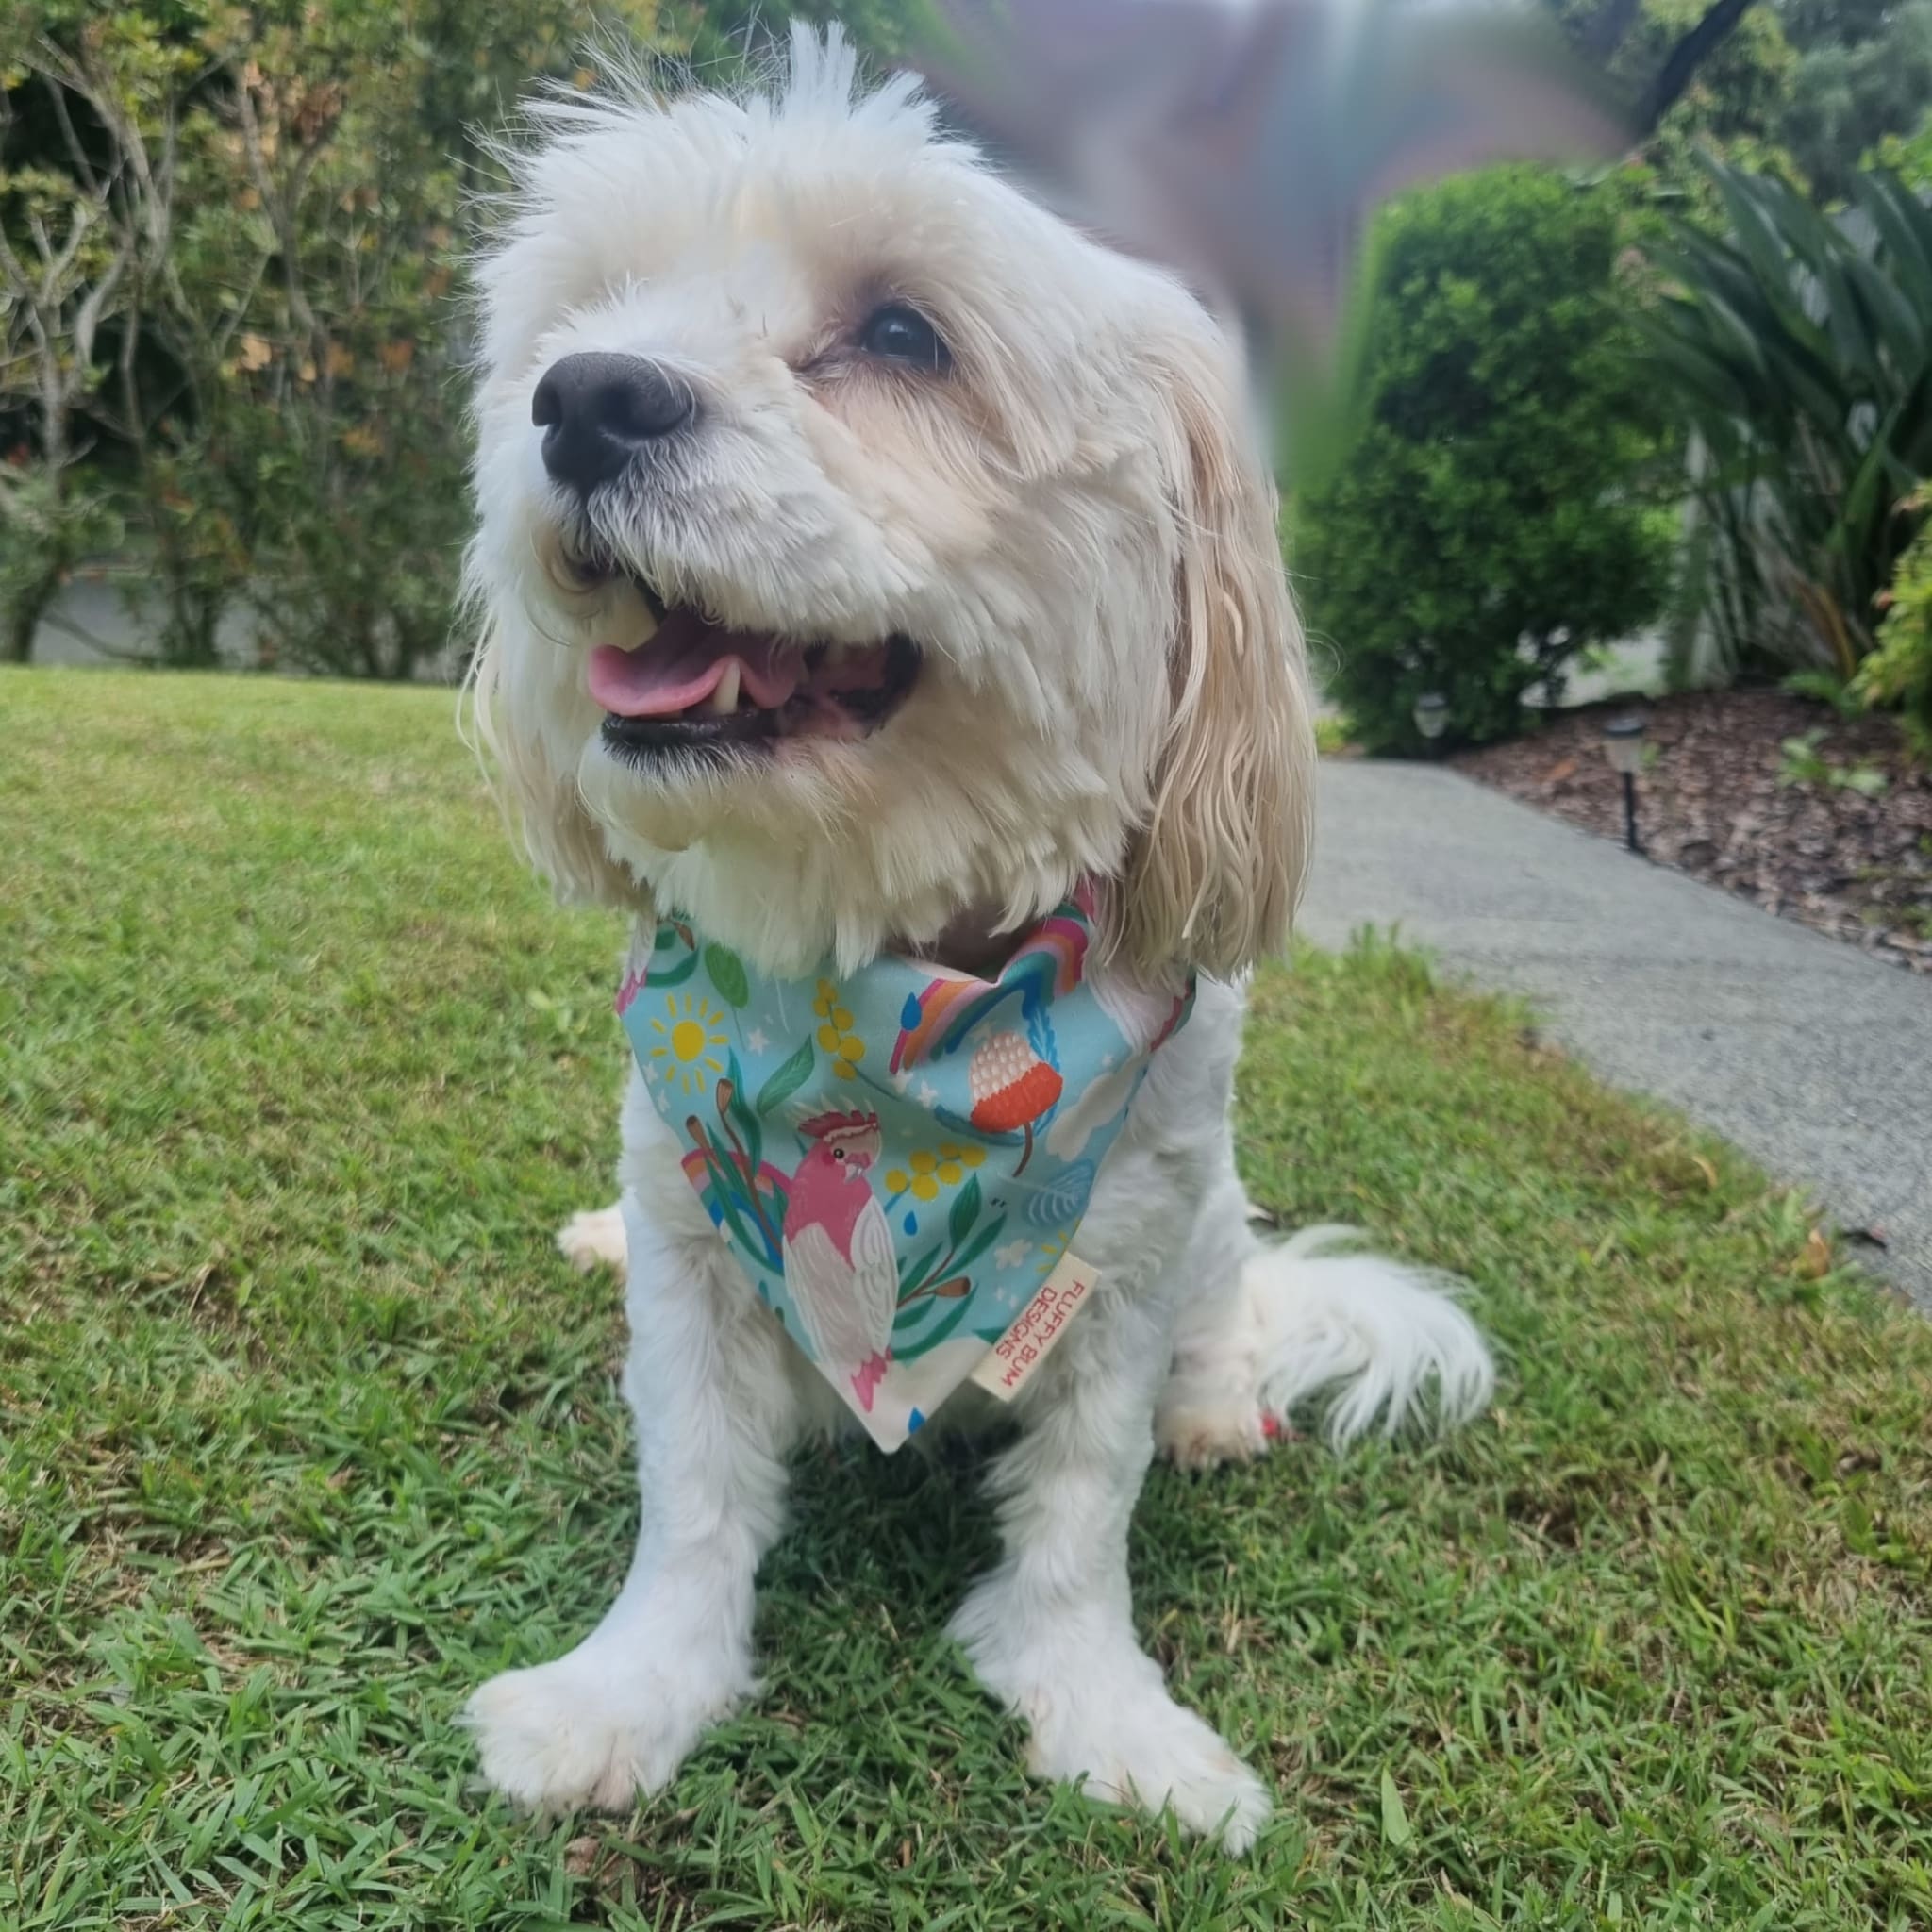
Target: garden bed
{"points": [[1773, 797]]}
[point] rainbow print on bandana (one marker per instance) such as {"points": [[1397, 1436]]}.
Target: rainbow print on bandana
{"points": [[1046, 967]]}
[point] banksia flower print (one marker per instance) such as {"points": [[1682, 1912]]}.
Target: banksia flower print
{"points": [[1011, 1087]]}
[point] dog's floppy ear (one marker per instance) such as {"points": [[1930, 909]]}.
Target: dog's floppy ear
{"points": [[535, 782], [1212, 879]]}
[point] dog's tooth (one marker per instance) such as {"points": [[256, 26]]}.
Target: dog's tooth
{"points": [[724, 699], [625, 619]]}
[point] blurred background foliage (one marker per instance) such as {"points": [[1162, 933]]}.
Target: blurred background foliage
{"points": [[1702, 397], [230, 330], [1693, 389]]}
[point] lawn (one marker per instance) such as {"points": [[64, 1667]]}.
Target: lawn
{"points": [[306, 1430]]}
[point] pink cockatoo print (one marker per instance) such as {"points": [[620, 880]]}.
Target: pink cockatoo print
{"points": [[840, 1268]]}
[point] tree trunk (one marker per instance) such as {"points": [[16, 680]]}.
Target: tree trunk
{"points": [[1682, 62], [17, 641], [190, 632], [22, 617], [193, 623]]}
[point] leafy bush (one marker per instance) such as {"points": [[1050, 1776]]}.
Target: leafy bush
{"points": [[1334, 734], [1864, 70], [326, 171], [49, 521], [1802, 763], [1800, 349], [1489, 524], [1899, 672], [71, 265], [327, 436]]}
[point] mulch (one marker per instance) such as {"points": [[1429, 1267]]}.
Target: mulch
{"points": [[1718, 802]]}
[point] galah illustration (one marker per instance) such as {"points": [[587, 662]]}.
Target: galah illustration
{"points": [[840, 1268]]}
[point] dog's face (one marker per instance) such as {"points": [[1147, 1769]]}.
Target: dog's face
{"points": [[862, 549]]}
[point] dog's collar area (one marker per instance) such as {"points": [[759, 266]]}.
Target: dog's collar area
{"points": [[973, 941]]}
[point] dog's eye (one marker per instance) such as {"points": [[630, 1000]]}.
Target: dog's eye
{"points": [[903, 335]]}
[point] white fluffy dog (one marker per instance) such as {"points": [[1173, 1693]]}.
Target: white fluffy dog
{"points": [[964, 502]]}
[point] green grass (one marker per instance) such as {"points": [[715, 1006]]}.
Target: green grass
{"points": [[307, 1431]]}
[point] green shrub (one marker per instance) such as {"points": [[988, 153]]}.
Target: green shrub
{"points": [[1899, 672], [328, 168], [50, 519], [1490, 523], [1334, 734]]}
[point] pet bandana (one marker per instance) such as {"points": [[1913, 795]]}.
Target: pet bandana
{"points": [[900, 1159]]}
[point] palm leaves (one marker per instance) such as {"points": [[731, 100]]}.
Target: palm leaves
{"points": [[1801, 347]]}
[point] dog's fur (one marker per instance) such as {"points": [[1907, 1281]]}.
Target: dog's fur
{"points": [[1074, 526]]}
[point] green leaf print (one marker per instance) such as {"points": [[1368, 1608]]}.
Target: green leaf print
{"points": [[912, 1276], [979, 1243], [741, 1123], [728, 975], [965, 1211], [924, 1345], [663, 972], [787, 1081]]}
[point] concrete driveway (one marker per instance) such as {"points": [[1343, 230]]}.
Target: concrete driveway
{"points": [[1814, 1058]]}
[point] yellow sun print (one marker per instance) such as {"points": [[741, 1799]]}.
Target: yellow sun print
{"points": [[685, 1052]]}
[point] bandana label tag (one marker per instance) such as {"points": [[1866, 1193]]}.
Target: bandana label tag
{"points": [[1039, 1326]]}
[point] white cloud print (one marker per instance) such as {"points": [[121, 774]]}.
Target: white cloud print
{"points": [[1073, 1126]]}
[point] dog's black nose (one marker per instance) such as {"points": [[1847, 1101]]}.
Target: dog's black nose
{"points": [[597, 412]]}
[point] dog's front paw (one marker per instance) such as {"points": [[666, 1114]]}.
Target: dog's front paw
{"points": [[1145, 1750], [1101, 1718], [594, 1240], [579, 1733]]}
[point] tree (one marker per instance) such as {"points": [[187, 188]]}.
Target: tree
{"points": [[1659, 50], [62, 269], [82, 244], [1687, 54], [1863, 71], [284, 372], [727, 31], [319, 335]]}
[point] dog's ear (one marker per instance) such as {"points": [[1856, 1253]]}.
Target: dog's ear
{"points": [[1212, 879], [536, 782]]}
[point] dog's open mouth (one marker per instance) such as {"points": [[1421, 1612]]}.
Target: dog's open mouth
{"points": [[689, 683]]}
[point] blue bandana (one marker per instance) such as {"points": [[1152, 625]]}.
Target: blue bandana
{"points": [[900, 1160]]}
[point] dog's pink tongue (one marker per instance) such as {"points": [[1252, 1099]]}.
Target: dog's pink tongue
{"points": [[684, 663]]}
